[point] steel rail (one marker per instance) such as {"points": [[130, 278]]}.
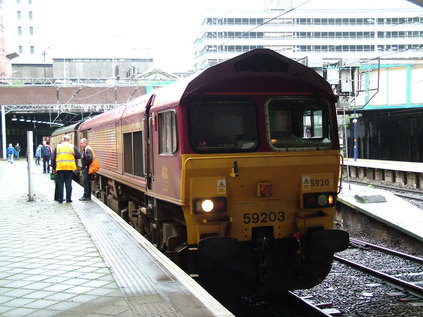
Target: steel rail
{"points": [[412, 288], [406, 190], [387, 250], [313, 309]]}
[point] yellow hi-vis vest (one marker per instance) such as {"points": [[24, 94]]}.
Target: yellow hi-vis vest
{"points": [[65, 157]]}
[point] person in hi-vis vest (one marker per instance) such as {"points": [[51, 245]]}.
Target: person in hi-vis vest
{"points": [[64, 163]]}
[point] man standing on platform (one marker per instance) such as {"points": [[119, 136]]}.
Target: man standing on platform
{"points": [[64, 163], [46, 155], [17, 150], [86, 160], [10, 153]]}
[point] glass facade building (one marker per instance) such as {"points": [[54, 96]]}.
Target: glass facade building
{"points": [[321, 34]]}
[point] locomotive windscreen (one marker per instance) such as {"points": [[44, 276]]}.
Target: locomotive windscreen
{"points": [[300, 123], [223, 125]]}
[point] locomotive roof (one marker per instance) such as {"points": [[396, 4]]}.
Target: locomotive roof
{"points": [[259, 63], [65, 130]]}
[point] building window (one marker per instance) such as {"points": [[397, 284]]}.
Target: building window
{"points": [[19, 30], [19, 15], [18, 1], [20, 49], [31, 30], [29, 1], [32, 49], [168, 140], [30, 15]]}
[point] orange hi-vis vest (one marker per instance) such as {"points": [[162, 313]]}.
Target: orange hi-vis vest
{"points": [[65, 157]]}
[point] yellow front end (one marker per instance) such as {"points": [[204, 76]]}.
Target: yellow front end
{"points": [[259, 190]]}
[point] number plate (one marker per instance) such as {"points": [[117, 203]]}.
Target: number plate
{"points": [[263, 217]]}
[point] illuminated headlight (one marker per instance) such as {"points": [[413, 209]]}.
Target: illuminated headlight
{"points": [[208, 205], [319, 200]]}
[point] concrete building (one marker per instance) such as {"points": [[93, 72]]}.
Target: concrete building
{"points": [[321, 31], [24, 32], [96, 66], [5, 57]]}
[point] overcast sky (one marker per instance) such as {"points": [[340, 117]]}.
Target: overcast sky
{"points": [[168, 27]]}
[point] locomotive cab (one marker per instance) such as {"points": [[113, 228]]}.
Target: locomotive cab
{"points": [[261, 180]]}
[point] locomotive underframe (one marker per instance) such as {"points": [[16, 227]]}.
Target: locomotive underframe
{"points": [[160, 222]]}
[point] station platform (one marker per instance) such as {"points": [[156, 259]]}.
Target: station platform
{"points": [[413, 167], [395, 211], [81, 259], [408, 174]]}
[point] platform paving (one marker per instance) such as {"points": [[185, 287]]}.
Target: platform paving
{"points": [[49, 264], [81, 259]]}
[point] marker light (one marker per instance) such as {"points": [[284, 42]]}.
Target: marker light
{"points": [[207, 205], [318, 200], [322, 200]]}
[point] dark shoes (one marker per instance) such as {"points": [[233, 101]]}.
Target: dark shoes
{"points": [[84, 199]]}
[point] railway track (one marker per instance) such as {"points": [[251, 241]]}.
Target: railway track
{"points": [[411, 287], [278, 304]]}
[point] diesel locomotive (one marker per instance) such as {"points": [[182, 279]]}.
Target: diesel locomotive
{"points": [[233, 172]]}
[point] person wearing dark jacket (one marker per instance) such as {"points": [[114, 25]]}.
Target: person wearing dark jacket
{"points": [[46, 155], [64, 164], [86, 160]]}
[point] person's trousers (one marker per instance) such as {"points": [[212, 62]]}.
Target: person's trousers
{"points": [[46, 164], [86, 182], [64, 181]]}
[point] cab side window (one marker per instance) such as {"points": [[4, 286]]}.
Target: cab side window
{"points": [[168, 141]]}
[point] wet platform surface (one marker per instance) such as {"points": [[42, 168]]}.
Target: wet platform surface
{"points": [[81, 259], [395, 212]]}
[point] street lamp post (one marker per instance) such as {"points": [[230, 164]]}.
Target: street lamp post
{"points": [[355, 135]]}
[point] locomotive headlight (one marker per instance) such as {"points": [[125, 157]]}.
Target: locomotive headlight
{"points": [[207, 205]]}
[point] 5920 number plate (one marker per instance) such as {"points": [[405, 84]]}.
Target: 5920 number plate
{"points": [[263, 217]]}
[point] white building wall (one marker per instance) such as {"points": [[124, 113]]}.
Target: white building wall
{"points": [[23, 31], [399, 86]]}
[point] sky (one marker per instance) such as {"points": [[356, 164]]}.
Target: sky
{"points": [[125, 28]]}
